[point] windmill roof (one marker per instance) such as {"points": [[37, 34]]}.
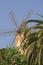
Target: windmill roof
{"points": [[23, 27]]}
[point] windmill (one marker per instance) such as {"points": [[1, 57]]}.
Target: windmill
{"points": [[19, 33]]}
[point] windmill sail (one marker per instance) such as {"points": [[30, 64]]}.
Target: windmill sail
{"points": [[2, 32], [13, 17]]}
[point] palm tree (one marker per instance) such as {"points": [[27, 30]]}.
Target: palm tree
{"points": [[33, 43]]}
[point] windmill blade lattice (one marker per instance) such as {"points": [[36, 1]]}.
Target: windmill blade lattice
{"points": [[28, 16], [13, 17], [7, 32], [12, 42]]}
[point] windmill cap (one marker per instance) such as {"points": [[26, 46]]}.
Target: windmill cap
{"points": [[23, 27]]}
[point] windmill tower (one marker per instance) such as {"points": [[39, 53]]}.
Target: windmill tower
{"points": [[20, 33]]}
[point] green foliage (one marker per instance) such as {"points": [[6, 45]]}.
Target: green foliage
{"points": [[33, 46], [11, 56]]}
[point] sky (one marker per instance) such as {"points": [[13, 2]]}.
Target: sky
{"points": [[20, 9]]}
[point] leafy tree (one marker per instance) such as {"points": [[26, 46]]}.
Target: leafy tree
{"points": [[11, 56]]}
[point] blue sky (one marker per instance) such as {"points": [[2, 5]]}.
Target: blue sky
{"points": [[19, 7]]}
